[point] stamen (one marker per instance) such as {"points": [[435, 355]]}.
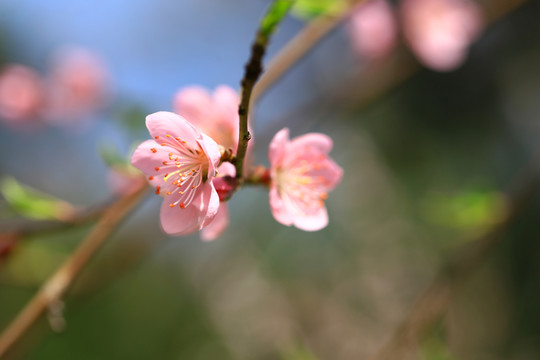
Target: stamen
{"points": [[154, 150], [150, 178], [157, 168], [164, 163], [182, 205], [158, 189]]}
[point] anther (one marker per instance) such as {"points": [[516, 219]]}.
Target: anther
{"points": [[182, 205], [150, 178], [156, 168], [153, 150], [158, 189]]}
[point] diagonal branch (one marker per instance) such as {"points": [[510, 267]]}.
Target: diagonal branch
{"points": [[56, 286]]}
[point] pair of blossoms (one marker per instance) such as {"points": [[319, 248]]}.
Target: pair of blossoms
{"points": [[187, 162]]}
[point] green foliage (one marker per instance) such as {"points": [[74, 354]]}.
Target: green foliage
{"points": [[32, 203], [274, 15], [307, 9], [466, 210]]}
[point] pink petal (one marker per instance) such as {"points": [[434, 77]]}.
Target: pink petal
{"points": [[279, 209], [146, 159], [178, 221], [332, 173], [312, 222], [373, 29], [226, 169], [218, 225], [163, 123], [317, 141], [193, 103], [278, 146], [198, 214], [227, 101], [208, 204], [211, 150]]}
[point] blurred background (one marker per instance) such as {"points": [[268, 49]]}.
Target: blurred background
{"points": [[433, 106]]}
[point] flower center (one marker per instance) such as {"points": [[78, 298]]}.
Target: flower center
{"points": [[183, 173], [303, 184]]}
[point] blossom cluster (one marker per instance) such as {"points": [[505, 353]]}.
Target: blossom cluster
{"points": [[438, 32], [75, 85], [189, 162]]}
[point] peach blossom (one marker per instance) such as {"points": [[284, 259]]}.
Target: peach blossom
{"points": [[180, 163], [21, 93], [440, 31], [78, 84], [302, 174], [373, 29], [215, 114]]}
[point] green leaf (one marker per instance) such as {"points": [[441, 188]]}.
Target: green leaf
{"points": [[274, 15], [307, 9], [31, 203]]}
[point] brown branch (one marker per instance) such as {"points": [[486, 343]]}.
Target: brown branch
{"points": [[56, 286], [254, 68], [79, 217]]}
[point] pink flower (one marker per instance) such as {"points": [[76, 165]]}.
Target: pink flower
{"points": [[302, 174], [21, 93], [440, 31], [77, 84], [373, 29], [180, 163], [215, 114]]}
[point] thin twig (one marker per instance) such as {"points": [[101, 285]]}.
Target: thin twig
{"points": [[299, 46], [254, 68], [55, 287]]}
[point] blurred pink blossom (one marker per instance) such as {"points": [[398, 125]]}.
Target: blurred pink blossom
{"points": [[21, 93], [180, 163], [78, 84], [215, 114], [373, 29], [302, 174], [440, 31]]}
